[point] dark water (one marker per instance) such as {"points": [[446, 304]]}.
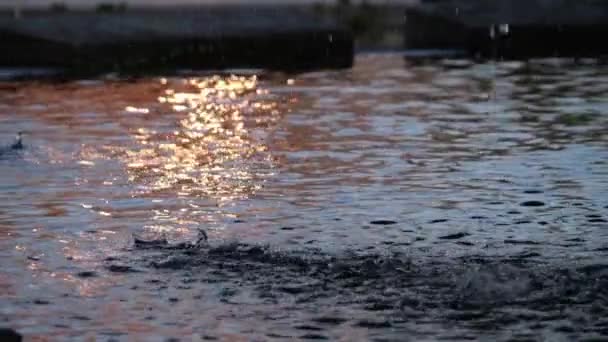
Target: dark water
{"points": [[394, 201]]}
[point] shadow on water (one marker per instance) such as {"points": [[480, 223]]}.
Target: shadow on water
{"points": [[400, 291]]}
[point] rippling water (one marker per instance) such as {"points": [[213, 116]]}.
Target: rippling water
{"points": [[447, 199]]}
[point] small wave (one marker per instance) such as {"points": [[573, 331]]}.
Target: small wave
{"points": [[9, 153], [482, 293]]}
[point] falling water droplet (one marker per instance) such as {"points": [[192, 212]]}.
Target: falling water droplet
{"points": [[503, 29]]}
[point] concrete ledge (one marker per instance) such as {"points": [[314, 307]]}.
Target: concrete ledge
{"points": [[147, 40], [511, 29]]}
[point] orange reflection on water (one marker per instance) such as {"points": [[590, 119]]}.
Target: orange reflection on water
{"points": [[217, 146]]}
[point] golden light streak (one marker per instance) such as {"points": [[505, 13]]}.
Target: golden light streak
{"points": [[217, 151]]}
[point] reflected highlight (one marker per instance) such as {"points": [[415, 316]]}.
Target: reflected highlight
{"points": [[218, 149]]}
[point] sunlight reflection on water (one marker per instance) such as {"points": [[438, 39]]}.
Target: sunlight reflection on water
{"points": [[217, 152], [208, 154]]}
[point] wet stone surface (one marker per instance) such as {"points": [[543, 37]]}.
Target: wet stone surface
{"points": [[396, 199]]}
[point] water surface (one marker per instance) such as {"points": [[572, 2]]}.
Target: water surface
{"points": [[446, 199]]}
